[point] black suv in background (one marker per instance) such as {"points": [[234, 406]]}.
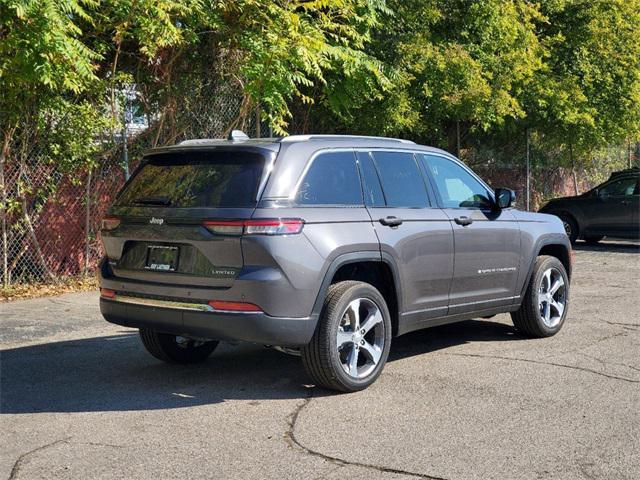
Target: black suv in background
{"points": [[611, 209], [328, 246]]}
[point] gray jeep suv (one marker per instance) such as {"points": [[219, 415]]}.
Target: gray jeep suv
{"points": [[329, 246]]}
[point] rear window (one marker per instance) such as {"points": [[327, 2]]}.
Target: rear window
{"points": [[197, 179]]}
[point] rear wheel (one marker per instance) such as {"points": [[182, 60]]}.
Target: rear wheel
{"points": [[546, 301], [176, 349], [352, 339]]}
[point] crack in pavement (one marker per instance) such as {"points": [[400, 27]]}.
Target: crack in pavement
{"points": [[553, 364], [632, 325], [605, 363], [580, 348], [293, 441], [22, 458]]}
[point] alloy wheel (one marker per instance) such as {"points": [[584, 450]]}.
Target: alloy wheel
{"points": [[360, 337], [552, 297]]}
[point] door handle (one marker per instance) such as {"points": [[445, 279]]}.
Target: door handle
{"points": [[464, 221], [390, 221]]}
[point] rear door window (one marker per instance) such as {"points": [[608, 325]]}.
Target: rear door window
{"points": [[373, 196], [402, 181], [332, 179], [216, 179]]}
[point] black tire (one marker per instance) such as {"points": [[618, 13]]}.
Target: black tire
{"points": [[593, 240], [322, 358], [528, 318], [570, 227], [170, 349]]}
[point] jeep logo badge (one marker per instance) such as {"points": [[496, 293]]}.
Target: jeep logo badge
{"points": [[156, 221]]}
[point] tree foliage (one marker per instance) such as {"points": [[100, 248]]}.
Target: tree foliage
{"points": [[567, 69]]}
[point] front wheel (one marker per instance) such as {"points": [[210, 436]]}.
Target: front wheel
{"points": [[176, 349], [570, 227], [352, 339], [546, 301]]}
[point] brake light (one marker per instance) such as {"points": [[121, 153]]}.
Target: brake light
{"points": [[109, 223], [284, 226], [234, 306], [107, 293], [268, 226]]}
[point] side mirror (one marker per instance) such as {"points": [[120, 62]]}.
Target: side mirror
{"points": [[505, 198]]}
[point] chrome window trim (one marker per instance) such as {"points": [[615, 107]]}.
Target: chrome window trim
{"points": [[370, 150]]}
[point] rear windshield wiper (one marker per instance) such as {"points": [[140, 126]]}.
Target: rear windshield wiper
{"points": [[164, 201]]}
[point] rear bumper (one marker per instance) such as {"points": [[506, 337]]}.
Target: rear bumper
{"points": [[248, 327]]}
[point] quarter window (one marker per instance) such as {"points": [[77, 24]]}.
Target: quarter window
{"points": [[457, 187], [332, 179], [402, 180]]}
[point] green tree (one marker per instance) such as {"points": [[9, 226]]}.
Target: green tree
{"points": [[41, 60], [587, 96]]}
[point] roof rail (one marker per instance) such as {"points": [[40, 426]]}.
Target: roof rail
{"points": [[202, 141], [304, 138]]}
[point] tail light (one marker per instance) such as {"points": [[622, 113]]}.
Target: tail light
{"points": [[107, 293], [268, 226], [109, 223], [234, 306], [285, 226]]}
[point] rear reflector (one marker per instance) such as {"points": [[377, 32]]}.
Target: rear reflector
{"points": [[234, 306], [107, 293], [109, 223], [267, 226]]}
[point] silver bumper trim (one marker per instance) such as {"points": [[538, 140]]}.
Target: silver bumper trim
{"points": [[152, 302]]}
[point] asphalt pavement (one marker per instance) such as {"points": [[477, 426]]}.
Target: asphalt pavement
{"points": [[81, 399]]}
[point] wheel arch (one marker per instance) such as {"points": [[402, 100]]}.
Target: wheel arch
{"points": [[379, 270], [555, 245]]}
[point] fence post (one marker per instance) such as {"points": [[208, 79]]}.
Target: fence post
{"points": [[87, 224], [458, 138], [258, 121], [3, 214], [526, 132], [5, 250]]}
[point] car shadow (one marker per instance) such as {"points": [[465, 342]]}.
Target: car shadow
{"points": [[609, 246], [114, 373]]}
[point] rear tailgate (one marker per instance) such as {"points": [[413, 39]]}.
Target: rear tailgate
{"points": [[160, 236]]}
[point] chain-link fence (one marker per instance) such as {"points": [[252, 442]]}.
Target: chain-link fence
{"points": [[51, 214]]}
